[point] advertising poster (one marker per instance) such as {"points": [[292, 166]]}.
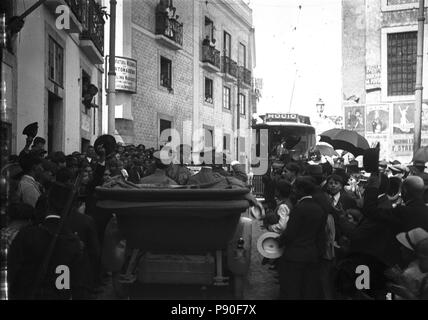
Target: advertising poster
{"points": [[354, 118], [425, 118], [377, 127], [404, 118], [377, 119]]}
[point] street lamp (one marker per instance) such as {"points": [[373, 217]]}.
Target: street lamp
{"points": [[320, 107]]}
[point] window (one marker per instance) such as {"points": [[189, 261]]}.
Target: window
{"points": [[56, 62], [226, 142], [227, 44], [209, 90], [242, 55], [209, 29], [402, 63], [164, 125], [226, 98], [165, 73], [242, 104]]}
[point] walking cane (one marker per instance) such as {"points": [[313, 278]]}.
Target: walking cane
{"points": [[43, 269]]}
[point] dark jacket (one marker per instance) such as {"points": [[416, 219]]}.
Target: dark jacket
{"points": [[27, 253], [402, 218], [304, 238]]}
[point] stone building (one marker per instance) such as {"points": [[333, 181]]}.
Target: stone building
{"points": [[379, 73], [193, 68], [52, 72]]}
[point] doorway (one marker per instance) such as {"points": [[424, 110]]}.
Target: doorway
{"points": [[55, 123]]}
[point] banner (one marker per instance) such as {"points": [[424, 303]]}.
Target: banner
{"points": [[354, 118]]}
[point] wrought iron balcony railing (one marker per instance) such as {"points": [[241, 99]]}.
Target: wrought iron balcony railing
{"points": [[245, 75], [230, 67], [211, 55], [93, 23], [169, 28]]}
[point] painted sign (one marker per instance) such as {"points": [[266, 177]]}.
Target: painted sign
{"points": [[373, 77], [126, 74]]}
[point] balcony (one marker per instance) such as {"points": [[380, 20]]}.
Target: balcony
{"points": [[169, 32], [92, 36], [210, 59], [229, 69], [245, 77], [75, 13]]}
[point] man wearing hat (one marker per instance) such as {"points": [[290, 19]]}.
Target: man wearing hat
{"points": [[418, 169], [303, 241], [337, 195], [177, 170], [159, 177], [412, 215], [415, 277]]}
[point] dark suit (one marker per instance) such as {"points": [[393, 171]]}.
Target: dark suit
{"points": [[303, 241], [84, 226], [402, 218], [27, 253]]}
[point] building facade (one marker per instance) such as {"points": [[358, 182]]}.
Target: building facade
{"points": [[194, 64], [379, 73], [53, 70]]}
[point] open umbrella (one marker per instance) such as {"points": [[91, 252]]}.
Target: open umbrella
{"points": [[326, 149], [347, 140], [421, 155]]}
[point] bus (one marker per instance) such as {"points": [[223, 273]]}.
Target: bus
{"points": [[287, 133]]}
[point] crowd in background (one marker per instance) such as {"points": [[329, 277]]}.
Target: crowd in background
{"points": [[38, 191], [333, 217]]}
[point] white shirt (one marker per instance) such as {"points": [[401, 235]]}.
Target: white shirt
{"points": [[335, 199], [29, 190], [284, 214]]}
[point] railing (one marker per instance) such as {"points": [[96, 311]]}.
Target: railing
{"points": [[169, 28], [230, 67], [245, 75], [211, 55], [93, 23], [76, 7]]}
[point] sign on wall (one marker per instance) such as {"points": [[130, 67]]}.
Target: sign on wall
{"points": [[354, 118], [373, 77], [377, 127], [126, 74], [404, 118]]}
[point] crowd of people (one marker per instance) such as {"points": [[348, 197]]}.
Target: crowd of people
{"points": [[333, 218], [39, 192]]}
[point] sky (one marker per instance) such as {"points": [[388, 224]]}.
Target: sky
{"points": [[300, 48]]}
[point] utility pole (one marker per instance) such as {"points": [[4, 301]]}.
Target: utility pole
{"points": [[419, 77], [238, 115], [111, 92]]}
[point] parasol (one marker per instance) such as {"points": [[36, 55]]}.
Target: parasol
{"points": [[347, 140], [326, 149]]}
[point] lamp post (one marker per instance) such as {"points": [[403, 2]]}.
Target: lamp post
{"points": [[320, 107]]}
